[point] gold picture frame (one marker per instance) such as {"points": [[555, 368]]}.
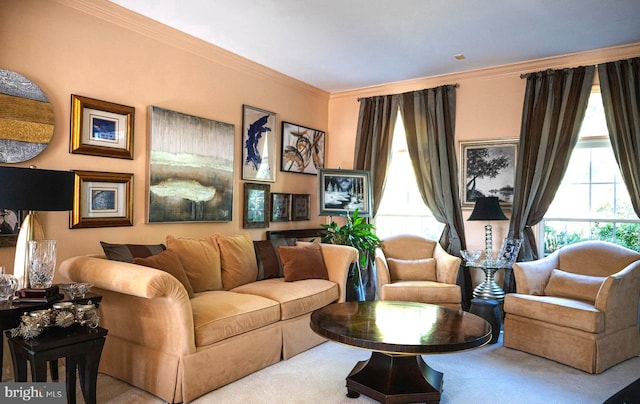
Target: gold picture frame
{"points": [[102, 200], [101, 128]]}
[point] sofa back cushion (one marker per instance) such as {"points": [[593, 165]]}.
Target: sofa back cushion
{"points": [[201, 261], [237, 259], [168, 261], [303, 262], [268, 257], [412, 270], [128, 252], [574, 286]]}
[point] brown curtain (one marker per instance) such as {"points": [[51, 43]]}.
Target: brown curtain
{"points": [[554, 106], [620, 87], [376, 122]]}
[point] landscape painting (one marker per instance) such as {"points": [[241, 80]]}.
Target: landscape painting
{"points": [[190, 168]]}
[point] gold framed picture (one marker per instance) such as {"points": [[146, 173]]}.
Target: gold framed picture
{"points": [[101, 128], [102, 200]]}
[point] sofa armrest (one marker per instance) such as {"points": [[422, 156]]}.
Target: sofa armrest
{"points": [[139, 304], [532, 276], [338, 260], [618, 298], [447, 265]]}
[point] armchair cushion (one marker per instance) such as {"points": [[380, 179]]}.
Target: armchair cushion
{"points": [[412, 270], [573, 286]]}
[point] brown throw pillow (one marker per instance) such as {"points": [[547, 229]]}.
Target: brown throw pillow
{"points": [[128, 252], [573, 286], [201, 261], [303, 262], [237, 259], [268, 258], [412, 270], [169, 262]]}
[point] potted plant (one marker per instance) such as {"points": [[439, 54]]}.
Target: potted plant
{"points": [[357, 233]]}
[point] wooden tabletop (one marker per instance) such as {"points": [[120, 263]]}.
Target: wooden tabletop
{"points": [[400, 327]]}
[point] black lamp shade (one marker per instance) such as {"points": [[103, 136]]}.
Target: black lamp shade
{"points": [[35, 189], [487, 208]]}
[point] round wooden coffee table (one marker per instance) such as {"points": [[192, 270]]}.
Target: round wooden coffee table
{"points": [[398, 333]]}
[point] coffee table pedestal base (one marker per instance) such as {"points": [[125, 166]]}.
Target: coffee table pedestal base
{"points": [[395, 379]]}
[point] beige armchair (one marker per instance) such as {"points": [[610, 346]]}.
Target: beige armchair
{"points": [[578, 306], [416, 269]]}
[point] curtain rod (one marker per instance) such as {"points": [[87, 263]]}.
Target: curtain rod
{"points": [[456, 85]]}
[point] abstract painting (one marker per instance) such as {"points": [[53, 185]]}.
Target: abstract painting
{"points": [[190, 168], [258, 144], [302, 149]]}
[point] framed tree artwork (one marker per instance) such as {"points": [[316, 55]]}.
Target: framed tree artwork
{"points": [[343, 191], [302, 149]]}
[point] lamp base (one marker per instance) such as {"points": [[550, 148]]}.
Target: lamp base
{"points": [[31, 229]]}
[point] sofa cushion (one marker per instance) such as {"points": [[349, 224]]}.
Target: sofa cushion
{"points": [[237, 259], [303, 262], [412, 270], [573, 286], [295, 298], [268, 258], [169, 262], [201, 261], [220, 314], [128, 252]]}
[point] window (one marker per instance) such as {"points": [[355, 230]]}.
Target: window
{"points": [[592, 201], [402, 210]]}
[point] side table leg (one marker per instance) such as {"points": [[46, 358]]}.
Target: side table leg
{"points": [[88, 371], [38, 370], [19, 364], [53, 369], [71, 363]]}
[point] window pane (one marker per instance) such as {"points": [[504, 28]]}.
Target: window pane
{"points": [[602, 201], [571, 201], [578, 168], [603, 165]]}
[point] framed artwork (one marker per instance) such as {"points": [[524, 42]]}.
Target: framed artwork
{"points": [[280, 207], [102, 200], [10, 222], [190, 168], [343, 191], [258, 144], [101, 128], [488, 168], [302, 149], [256, 205], [300, 207]]}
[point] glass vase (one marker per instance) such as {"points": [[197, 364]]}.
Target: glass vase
{"points": [[42, 263]]}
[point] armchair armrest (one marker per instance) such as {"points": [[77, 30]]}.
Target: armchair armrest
{"points": [[338, 260], [382, 269], [447, 265], [618, 298], [532, 276]]}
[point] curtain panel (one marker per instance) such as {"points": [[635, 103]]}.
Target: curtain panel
{"points": [[620, 88], [555, 102]]}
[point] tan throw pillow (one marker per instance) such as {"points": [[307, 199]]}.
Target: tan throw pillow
{"points": [[412, 270], [573, 286], [303, 262], [169, 262], [201, 261], [237, 259]]}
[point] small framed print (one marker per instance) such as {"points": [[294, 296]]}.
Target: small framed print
{"points": [[302, 149], [10, 222], [280, 207], [256, 205], [101, 128], [300, 207], [258, 144], [102, 200]]}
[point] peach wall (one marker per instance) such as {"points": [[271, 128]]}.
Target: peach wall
{"points": [[97, 49]]}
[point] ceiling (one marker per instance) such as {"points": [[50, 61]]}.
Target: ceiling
{"points": [[339, 45]]}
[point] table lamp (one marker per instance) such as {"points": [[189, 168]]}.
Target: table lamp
{"points": [[488, 208], [33, 190]]}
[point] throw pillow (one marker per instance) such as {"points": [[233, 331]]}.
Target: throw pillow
{"points": [[238, 260], [574, 286], [169, 262], [268, 258], [412, 270], [303, 262], [127, 252], [201, 261]]}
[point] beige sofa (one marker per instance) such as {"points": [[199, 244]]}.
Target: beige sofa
{"points": [[179, 348]]}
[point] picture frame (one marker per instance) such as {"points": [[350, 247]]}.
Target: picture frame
{"points": [[343, 191], [280, 207], [191, 176], [102, 199], [256, 205], [10, 223], [258, 138], [300, 206], [101, 128], [303, 149], [488, 168]]}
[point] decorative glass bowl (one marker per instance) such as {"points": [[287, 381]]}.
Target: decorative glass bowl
{"points": [[470, 256], [75, 290]]}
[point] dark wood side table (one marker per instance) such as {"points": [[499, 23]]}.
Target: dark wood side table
{"points": [[81, 346]]}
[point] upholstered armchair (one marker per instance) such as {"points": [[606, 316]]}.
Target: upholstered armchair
{"points": [[577, 306], [416, 269]]}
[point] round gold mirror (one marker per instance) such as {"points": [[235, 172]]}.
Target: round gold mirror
{"points": [[26, 118]]}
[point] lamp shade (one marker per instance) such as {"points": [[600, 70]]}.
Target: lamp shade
{"points": [[36, 190], [487, 208]]}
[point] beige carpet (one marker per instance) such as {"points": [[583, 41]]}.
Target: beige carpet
{"points": [[490, 374]]}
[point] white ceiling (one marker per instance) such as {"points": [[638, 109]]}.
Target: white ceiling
{"points": [[338, 45]]}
